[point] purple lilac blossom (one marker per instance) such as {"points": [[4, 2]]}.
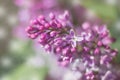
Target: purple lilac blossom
{"points": [[53, 31], [91, 46]]}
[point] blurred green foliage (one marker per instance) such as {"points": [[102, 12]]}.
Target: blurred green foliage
{"points": [[103, 10], [25, 72]]}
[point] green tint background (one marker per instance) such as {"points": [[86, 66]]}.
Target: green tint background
{"points": [[15, 51]]}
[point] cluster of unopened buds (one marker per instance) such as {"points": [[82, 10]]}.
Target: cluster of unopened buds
{"points": [[87, 46]]}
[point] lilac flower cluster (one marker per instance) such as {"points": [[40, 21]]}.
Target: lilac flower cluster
{"points": [[95, 46], [95, 53], [53, 34], [89, 45]]}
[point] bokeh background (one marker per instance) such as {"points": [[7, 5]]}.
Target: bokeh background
{"points": [[17, 52]]}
